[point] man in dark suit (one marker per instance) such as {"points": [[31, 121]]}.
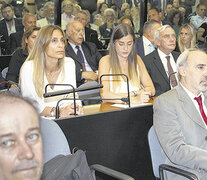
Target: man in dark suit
{"points": [[16, 38], [160, 63], [90, 35], [87, 64], [8, 25], [145, 43], [156, 14]]}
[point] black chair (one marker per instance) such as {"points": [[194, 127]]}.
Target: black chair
{"points": [[4, 61], [157, 160]]}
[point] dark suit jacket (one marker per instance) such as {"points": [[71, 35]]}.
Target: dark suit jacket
{"points": [[91, 54], [140, 46], [92, 36], [16, 40], [5, 47], [157, 72]]}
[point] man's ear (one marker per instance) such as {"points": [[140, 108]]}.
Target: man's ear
{"points": [[182, 71]]}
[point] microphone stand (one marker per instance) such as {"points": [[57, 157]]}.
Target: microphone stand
{"points": [[57, 106], [123, 99]]}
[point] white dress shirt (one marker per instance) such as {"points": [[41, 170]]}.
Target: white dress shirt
{"points": [[87, 66], [148, 46], [192, 96]]}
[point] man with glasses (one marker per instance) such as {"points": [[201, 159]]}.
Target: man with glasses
{"points": [[67, 14]]}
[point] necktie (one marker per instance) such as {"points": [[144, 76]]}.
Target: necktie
{"points": [[173, 80], [80, 57], [199, 101]]}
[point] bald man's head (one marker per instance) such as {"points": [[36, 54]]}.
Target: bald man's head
{"points": [[75, 32]]}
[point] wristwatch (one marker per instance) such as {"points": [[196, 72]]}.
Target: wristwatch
{"points": [[135, 93], [52, 112]]}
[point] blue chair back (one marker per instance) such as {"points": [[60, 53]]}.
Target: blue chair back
{"points": [[54, 140], [155, 151]]}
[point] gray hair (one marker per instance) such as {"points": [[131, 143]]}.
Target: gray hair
{"points": [[158, 31], [49, 3], [182, 59], [109, 10], [149, 25]]}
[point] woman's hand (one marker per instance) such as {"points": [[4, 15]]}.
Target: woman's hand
{"points": [[69, 110], [143, 97]]}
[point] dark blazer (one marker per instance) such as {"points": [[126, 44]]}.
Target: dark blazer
{"points": [[91, 54], [16, 40], [157, 72], [92, 36], [5, 47], [18, 58], [140, 46]]}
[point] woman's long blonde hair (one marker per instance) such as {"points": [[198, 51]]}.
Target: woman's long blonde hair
{"points": [[37, 55], [192, 33], [119, 32]]}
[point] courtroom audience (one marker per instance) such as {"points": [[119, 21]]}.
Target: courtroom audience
{"points": [[16, 38], [20, 55], [99, 18], [122, 59], [90, 35], [47, 64], [176, 19], [200, 17], [186, 37], [160, 63], [180, 118], [8, 26], [156, 14], [21, 150], [67, 7], [107, 28], [202, 34], [145, 43], [40, 11], [85, 54]]}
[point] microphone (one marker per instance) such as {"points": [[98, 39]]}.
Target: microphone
{"points": [[57, 106], [122, 99], [68, 91]]}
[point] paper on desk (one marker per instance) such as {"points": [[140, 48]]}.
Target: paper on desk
{"points": [[132, 105]]}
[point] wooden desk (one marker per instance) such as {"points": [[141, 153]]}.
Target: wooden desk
{"points": [[103, 107]]}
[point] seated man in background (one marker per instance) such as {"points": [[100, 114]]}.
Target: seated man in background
{"points": [[160, 63], [180, 119], [8, 25], [85, 54], [16, 38], [200, 16], [145, 43], [89, 35], [21, 155]]}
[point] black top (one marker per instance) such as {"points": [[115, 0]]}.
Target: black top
{"points": [[15, 64], [204, 26]]}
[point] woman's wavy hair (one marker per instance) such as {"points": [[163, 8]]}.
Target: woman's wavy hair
{"points": [[119, 32], [38, 56]]}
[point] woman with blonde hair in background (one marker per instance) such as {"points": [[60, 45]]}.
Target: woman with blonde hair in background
{"points": [[186, 37], [122, 59], [47, 64]]}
